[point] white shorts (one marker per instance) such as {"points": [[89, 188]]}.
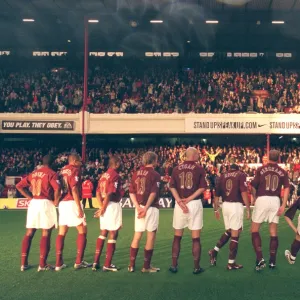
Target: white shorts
{"points": [[193, 219], [298, 227], [265, 209], [233, 215], [68, 214], [149, 223], [112, 218], [41, 214]]}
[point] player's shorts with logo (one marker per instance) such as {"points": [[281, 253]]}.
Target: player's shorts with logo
{"points": [[149, 223], [112, 218], [193, 219], [68, 214], [266, 209], [41, 214], [233, 215]]}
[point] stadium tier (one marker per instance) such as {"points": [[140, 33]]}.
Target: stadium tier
{"points": [[148, 89]]}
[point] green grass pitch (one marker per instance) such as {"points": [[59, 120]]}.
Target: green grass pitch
{"points": [[214, 283]]}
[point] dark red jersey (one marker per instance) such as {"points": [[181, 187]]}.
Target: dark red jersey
{"points": [[110, 182], [144, 182], [231, 185], [71, 177], [290, 213], [269, 180], [43, 182], [187, 178]]}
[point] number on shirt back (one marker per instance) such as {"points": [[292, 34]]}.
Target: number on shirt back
{"points": [[141, 185], [186, 180], [228, 187], [36, 185], [272, 182]]}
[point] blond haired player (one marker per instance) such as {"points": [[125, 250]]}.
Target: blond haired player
{"points": [[41, 213], [71, 213], [144, 193], [187, 184]]}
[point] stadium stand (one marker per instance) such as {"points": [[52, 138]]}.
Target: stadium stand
{"points": [[151, 89]]}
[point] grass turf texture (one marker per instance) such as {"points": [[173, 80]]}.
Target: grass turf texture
{"points": [[214, 283]]}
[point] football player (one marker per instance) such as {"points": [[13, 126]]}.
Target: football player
{"points": [[266, 187], [187, 184], [289, 216], [109, 194], [41, 213], [144, 193], [71, 213], [232, 188]]}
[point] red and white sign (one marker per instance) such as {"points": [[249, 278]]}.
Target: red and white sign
{"points": [[22, 203]]}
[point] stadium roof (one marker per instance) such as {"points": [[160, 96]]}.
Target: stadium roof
{"points": [[126, 23]]}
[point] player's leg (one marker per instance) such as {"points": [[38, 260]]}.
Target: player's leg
{"points": [[213, 253], [233, 249], [110, 250], [295, 247], [256, 242], [273, 244], [178, 233], [134, 249], [81, 245], [148, 252], [60, 241], [45, 249], [196, 251], [99, 247], [26, 244], [224, 237]]}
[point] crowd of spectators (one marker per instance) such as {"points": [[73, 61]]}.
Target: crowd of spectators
{"points": [[18, 162], [150, 89]]}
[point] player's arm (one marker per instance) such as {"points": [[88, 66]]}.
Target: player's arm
{"points": [[178, 200], [247, 204], [153, 195], [254, 185], [106, 200], [98, 196], [286, 194], [21, 187], [133, 191], [244, 192], [217, 199], [290, 214], [54, 182], [172, 187], [195, 195], [175, 194], [76, 197]]}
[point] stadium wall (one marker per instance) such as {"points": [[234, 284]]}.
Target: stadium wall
{"points": [[22, 203], [151, 123]]}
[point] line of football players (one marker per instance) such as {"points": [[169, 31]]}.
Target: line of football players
{"points": [[187, 184]]}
